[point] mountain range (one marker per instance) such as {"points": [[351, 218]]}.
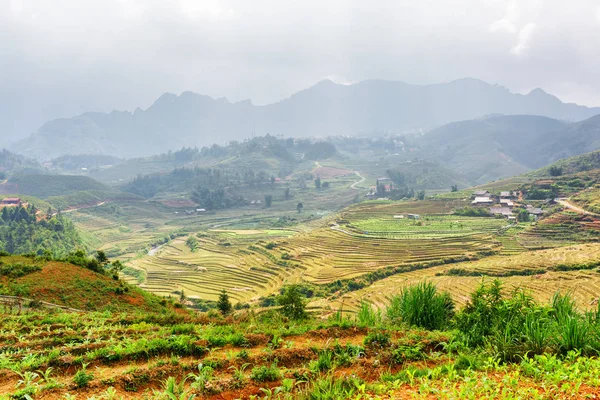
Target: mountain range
{"points": [[325, 109]]}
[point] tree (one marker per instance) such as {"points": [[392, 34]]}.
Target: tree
{"points": [[318, 182], [115, 268], [454, 188], [287, 193], [224, 305], [325, 185], [523, 215], [292, 303], [555, 170], [268, 200], [421, 195], [299, 207], [272, 180], [380, 189], [192, 243], [101, 257]]}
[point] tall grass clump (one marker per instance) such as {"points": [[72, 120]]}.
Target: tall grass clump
{"points": [[423, 306], [367, 315]]}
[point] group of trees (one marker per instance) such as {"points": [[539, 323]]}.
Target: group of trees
{"points": [[216, 199], [291, 301], [23, 230]]}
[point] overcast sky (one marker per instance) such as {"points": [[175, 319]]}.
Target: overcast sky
{"points": [[63, 57]]}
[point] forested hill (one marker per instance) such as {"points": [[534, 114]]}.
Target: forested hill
{"points": [[327, 108], [11, 162], [486, 149], [584, 162], [24, 230]]}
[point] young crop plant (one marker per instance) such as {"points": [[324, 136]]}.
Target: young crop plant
{"points": [[82, 378]]}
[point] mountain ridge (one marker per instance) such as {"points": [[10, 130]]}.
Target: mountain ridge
{"points": [[324, 109]]}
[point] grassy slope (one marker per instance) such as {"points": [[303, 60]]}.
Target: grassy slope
{"points": [[572, 165], [40, 185], [76, 287]]}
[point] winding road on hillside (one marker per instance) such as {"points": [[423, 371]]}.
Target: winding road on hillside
{"points": [[361, 180], [571, 206], [68, 210]]}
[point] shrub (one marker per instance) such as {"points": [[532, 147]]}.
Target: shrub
{"points": [[377, 339], [265, 374], [17, 270], [421, 305], [402, 354]]}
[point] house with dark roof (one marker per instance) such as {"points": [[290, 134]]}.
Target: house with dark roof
{"points": [[11, 201], [535, 212], [481, 193], [504, 211]]}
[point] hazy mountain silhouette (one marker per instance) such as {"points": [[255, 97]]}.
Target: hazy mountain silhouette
{"points": [[488, 148], [327, 108]]}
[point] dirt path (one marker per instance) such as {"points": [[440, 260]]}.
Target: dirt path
{"points": [[152, 252], [571, 206], [68, 210], [361, 180]]}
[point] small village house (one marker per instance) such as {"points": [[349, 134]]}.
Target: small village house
{"points": [[504, 211], [482, 201], [11, 201]]}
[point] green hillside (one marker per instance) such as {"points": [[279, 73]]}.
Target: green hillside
{"points": [[572, 165], [70, 285], [44, 185]]}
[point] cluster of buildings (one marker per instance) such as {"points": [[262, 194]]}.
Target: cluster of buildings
{"points": [[503, 204]]}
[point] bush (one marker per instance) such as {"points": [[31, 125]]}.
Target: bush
{"points": [[17, 270], [266, 374], [402, 354], [377, 339], [421, 305]]}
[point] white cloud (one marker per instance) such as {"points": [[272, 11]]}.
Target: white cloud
{"points": [[524, 39]]}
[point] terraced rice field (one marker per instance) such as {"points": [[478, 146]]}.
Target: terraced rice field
{"points": [[227, 260], [329, 254], [427, 227], [583, 284], [561, 229]]}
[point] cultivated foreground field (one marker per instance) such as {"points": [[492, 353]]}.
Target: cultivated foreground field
{"points": [[502, 345]]}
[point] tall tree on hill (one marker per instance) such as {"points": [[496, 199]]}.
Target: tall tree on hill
{"points": [[299, 207], [318, 182], [268, 200], [292, 303], [287, 193], [224, 305]]}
